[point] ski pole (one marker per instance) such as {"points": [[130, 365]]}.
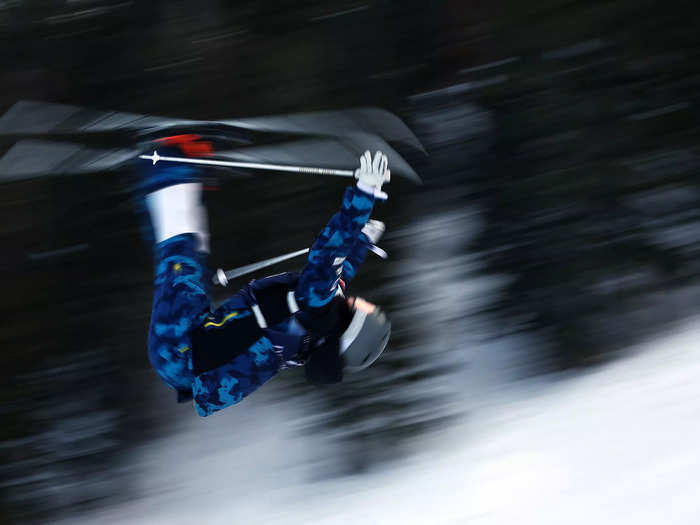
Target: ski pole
{"points": [[222, 278], [309, 170]]}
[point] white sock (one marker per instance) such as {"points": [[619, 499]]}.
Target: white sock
{"points": [[178, 209]]}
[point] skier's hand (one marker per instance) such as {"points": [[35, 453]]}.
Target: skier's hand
{"points": [[373, 173], [374, 230]]}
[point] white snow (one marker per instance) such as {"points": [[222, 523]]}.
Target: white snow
{"points": [[616, 445]]}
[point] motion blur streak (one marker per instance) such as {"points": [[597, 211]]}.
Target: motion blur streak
{"points": [[542, 283]]}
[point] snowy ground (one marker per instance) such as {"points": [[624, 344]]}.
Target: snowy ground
{"points": [[616, 445]]}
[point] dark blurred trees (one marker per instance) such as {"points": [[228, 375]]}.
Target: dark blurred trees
{"points": [[576, 144], [590, 195]]}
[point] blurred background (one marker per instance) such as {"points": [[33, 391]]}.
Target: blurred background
{"points": [[542, 283]]}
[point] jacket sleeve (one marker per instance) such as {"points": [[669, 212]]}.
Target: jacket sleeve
{"points": [[229, 383], [318, 281], [355, 258], [231, 358]]}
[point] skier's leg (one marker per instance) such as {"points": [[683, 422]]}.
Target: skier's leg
{"points": [[180, 237], [180, 301]]}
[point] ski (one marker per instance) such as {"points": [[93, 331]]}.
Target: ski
{"points": [[28, 117]]}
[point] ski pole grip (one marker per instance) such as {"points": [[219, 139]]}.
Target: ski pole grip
{"points": [[220, 278]]}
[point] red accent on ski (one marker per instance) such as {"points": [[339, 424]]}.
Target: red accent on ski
{"points": [[190, 144]]}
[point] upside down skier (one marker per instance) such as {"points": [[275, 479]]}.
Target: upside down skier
{"points": [[219, 357]]}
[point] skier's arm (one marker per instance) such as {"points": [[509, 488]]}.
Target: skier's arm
{"points": [[370, 235], [179, 232], [355, 259], [318, 282]]}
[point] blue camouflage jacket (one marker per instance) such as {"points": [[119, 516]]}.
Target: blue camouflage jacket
{"points": [[219, 357]]}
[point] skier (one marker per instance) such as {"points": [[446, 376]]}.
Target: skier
{"points": [[218, 357]]}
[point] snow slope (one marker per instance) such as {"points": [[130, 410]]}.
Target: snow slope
{"points": [[616, 445]]}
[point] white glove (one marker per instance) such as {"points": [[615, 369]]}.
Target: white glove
{"points": [[374, 230], [373, 173]]}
